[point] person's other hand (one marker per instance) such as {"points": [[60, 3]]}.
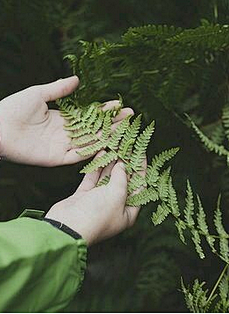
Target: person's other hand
{"points": [[31, 133], [97, 213]]}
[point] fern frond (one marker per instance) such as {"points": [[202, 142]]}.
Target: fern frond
{"points": [[218, 220], [118, 133], [161, 213], [143, 197], [92, 149], [102, 162], [129, 138], [202, 225], [224, 292], [99, 122], [103, 181], [201, 218], [180, 228], [197, 241], [172, 199], [139, 152], [225, 119], [83, 140], [79, 133], [189, 206], [223, 241], [158, 162], [209, 144], [162, 184], [136, 181], [106, 130]]}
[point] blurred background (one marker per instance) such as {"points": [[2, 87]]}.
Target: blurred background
{"points": [[139, 270]]}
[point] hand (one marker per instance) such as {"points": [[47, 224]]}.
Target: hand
{"points": [[97, 213], [31, 133]]}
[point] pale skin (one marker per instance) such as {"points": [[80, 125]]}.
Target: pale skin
{"points": [[32, 134]]}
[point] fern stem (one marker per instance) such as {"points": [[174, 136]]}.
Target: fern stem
{"points": [[217, 283]]}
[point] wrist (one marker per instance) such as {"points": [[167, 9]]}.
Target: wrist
{"points": [[69, 223], [63, 228]]}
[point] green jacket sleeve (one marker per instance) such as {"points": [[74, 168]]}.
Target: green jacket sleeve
{"points": [[41, 267]]}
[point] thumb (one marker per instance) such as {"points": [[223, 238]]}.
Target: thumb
{"points": [[118, 178], [58, 89]]}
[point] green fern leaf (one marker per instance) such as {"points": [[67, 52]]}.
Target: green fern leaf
{"points": [[139, 152], [162, 184], [106, 130], [83, 140], [143, 197], [92, 149], [197, 241], [223, 292], [79, 133], [172, 199], [118, 133], [209, 144], [225, 119], [99, 122], [158, 162], [100, 162], [223, 241], [161, 213], [202, 225], [103, 181], [180, 224], [189, 207], [129, 137], [136, 181], [201, 218]]}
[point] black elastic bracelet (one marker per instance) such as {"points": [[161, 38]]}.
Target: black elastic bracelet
{"points": [[63, 228]]}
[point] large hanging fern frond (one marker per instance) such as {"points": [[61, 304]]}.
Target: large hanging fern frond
{"points": [[209, 144]]}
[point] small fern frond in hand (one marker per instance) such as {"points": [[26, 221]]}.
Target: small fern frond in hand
{"points": [[100, 162], [136, 181], [92, 149], [143, 197], [129, 138], [139, 152], [162, 184], [118, 133], [103, 181], [106, 129]]}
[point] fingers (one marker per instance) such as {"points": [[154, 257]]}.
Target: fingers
{"points": [[118, 180], [123, 113], [107, 170], [58, 89], [90, 179]]}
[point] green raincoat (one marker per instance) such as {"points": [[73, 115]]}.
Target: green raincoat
{"points": [[41, 267]]}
